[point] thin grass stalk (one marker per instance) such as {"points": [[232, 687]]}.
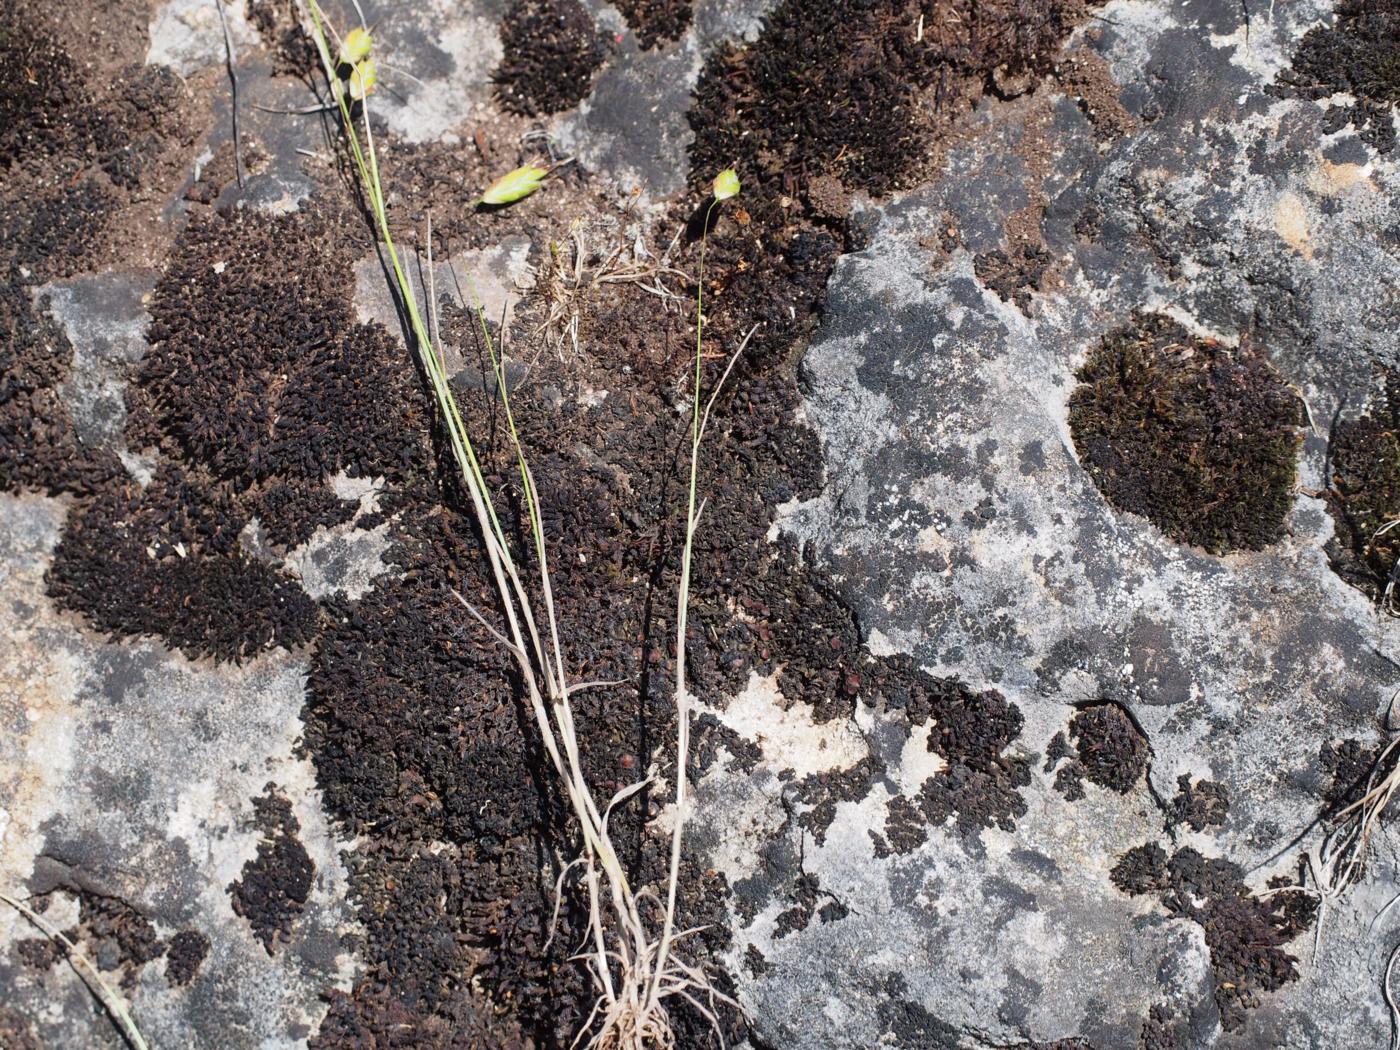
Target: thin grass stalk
{"points": [[623, 899], [682, 608], [634, 1014]]}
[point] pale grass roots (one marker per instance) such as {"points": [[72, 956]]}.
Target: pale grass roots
{"points": [[1336, 864], [634, 965]]}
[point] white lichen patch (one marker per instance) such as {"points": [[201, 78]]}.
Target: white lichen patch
{"points": [[437, 58], [104, 317], [788, 735], [492, 279], [186, 35], [344, 557], [37, 684]]}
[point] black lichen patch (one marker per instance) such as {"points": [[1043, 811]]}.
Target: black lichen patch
{"points": [[1351, 766], [1364, 497], [165, 561], [117, 934], [396, 740], [710, 735], [1246, 934], [906, 828], [258, 368], [655, 21], [275, 884], [755, 962], [1198, 804], [260, 385], [72, 156], [33, 105], [418, 733], [79, 140], [1015, 273], [551, 51], [1357, 55], [809, 901], [824, 790], [907, 1023], [1163, 1030], [1024, 266], [974, 733], [48, 111], [1108, 750], [40, 953], [1198, 438], [373, 1018], [844, 88], [432, 916], [184, 954], [38, 446]]}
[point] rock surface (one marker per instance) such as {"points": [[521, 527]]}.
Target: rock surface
{"points": [[960, 524], [1093, 840]]}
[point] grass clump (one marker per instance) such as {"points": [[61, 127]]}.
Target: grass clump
{"points": [[632, 933]]}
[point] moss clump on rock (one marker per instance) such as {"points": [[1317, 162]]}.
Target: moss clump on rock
{"points": [[851, 89], [551, 51], [655, 21], [1108, 750], [1247, 935], [1199, 438], [165, 560]]}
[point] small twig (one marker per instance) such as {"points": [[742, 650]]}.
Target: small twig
{"points": [[232, 60], [305, 111]]}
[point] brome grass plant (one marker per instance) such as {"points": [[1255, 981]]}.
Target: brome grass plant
{"points": [[630, 949]]}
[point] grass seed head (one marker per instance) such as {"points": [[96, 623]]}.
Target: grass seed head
{"points": [[363, 79], [726, 184], [355, 48], [514, 185]]}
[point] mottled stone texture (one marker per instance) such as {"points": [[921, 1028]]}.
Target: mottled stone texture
{"points": [[1082, 631]]}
